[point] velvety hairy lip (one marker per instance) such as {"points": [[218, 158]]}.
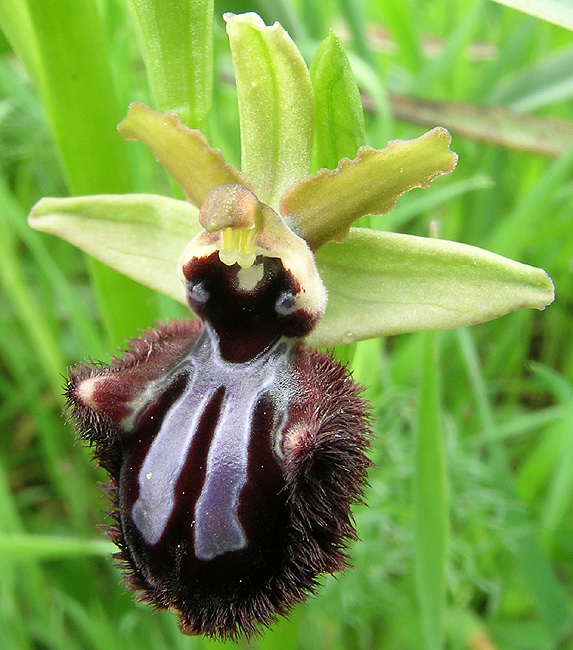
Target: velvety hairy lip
{"points": [[234, 452]]}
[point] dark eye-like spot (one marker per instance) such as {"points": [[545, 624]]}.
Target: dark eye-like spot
{"points": [[286, 304], [197, 292]]}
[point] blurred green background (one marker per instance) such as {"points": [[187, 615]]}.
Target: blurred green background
{"points": [[502, 82]]}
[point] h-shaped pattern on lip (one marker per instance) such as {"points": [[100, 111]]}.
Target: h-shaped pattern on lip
{"points": [[217, 528]]}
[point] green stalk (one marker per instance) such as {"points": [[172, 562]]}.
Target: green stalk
{"points": [[176, 42], [431, 504]]}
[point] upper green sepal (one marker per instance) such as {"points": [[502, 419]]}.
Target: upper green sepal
{"points": [[275, 105]]}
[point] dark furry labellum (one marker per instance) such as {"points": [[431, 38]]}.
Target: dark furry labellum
{"points": [[234, 452]]}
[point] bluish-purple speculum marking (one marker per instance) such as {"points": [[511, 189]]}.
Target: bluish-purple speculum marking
{"points": [[217, 528], [234, 451]]}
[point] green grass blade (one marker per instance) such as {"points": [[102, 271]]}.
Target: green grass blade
{"points": [[444, 65], [402, 24], [176, 42], [22, 589], [43, 547], [76, 86], [75, 83], [89, 338], [560, 496], [24, 303], [353, 12], [531, 561], [431, 502], [530, 211], [16, 24], [544, 83], [536, 470]]}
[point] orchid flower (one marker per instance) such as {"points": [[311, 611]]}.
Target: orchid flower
{"points": [[235, 450]]}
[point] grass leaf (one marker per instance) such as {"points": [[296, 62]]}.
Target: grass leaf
{"points": [[176, 42], [431, 503]]}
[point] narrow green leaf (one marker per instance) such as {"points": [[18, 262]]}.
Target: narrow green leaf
{"points": [[275, 105], [23, 301], [64, 42], [385, 283], [560, 496], [184, 152], [323, 206], [544, 82], [339, 124], [431, 518], [176, 42], [141, 236], [559, 12], [43, 547]]}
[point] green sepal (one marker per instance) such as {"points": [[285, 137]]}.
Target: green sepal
{"points": [[139, 235], [380, 284], [322, 207], [275, 105]]}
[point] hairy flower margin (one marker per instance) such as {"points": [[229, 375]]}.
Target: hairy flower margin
{"points": [[234, 450]]}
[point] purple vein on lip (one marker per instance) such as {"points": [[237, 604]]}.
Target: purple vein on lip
{"points": [[217, 526]]}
